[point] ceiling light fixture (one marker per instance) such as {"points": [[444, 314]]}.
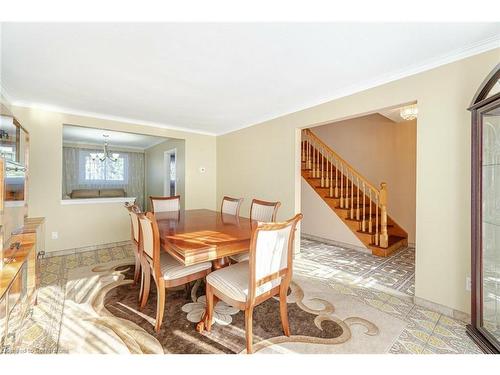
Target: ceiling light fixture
{"points": [[409, 113], [106, 154]]}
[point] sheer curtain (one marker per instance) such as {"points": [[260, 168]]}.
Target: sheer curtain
{"points": [[72, 172]]}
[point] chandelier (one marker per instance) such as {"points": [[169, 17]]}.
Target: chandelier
{"points": [[106, 154], [409, 113]]}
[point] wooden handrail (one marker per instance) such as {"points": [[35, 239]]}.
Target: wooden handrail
{"points": [[342, 160]]}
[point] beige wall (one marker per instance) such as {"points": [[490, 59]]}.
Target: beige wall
{"points": [[320, 221], [155, 168], [382, 151], [262, 161], [91, 224]]}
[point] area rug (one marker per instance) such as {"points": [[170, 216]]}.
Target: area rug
{"points": [[101, 315]]}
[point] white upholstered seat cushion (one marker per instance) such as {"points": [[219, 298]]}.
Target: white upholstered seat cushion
{"points": [[241, 257], [233, 282], [172, 269]]}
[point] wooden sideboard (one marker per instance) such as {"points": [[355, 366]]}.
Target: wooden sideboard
{"points": [[19, 280]]}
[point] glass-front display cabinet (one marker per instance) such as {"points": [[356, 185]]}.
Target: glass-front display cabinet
{"points": [[485, 318]]}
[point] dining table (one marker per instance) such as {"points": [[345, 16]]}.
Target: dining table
{"points": [[202, 235]]}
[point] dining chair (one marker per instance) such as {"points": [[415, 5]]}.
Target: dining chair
{"points": [[260, 211], [165, 204], [231, 206], [133, 211], [267, 273], [167, 272]]}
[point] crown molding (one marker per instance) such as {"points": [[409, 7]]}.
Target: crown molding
{"points": [[459, 54], [103, 116]]}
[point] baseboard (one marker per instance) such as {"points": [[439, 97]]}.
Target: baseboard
{"points": [[445, 310], [335, 243], [83, 249]]}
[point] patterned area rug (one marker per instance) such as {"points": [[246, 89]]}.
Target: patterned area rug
{"points": [[76, 313], [101, 316]]}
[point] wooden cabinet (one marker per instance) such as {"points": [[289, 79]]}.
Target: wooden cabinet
{"points": [[485, 318], [21, 238], [19, 279]]}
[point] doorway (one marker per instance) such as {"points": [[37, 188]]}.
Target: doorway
{"points": [[170, 175]]}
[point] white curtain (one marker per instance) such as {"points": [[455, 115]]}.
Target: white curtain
{"points": [[133, 184]]}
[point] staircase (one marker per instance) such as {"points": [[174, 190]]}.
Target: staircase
{"points": [[359, 204]]}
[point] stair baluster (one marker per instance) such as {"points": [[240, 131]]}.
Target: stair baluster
{"points": [[357, 198], [352, 196], [308, 153], [336, 178], [341, 185], [370, 228], [316, 159], [331, 176], [363, 221], [327, 180], [322, 168], [302, 157], [313, 173]]}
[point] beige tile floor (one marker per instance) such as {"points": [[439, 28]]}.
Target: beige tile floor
{"points": [[427, 331]]}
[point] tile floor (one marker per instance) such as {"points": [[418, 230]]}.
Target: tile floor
{"points": [[388, 285], [396, 272], [347, 271]]}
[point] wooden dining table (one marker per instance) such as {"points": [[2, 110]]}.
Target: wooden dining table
{"points": [[196, 236]]}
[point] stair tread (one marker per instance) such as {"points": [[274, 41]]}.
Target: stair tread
{"points": [[355, 207], [393, 239], [367, 216], [373, 230]]}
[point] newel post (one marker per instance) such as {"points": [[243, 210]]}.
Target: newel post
{"points": [[384, 237]]}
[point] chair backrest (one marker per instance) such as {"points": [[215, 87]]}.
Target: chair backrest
{"points": [[165, 204], [231, 206], [264, 211], [133, 211], [271, 251], [150, 238]]}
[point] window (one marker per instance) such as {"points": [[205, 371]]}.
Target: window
{"points": [[105, 172]]}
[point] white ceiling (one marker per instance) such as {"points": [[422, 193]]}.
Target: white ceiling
{"points": [[214, 78], [80, 134]]}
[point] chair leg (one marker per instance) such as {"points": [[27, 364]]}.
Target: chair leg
{"points": [[284, 309], [160, 303], [141, 290], [147, 285], [248, 329], [210, 307], [137, 269]]}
